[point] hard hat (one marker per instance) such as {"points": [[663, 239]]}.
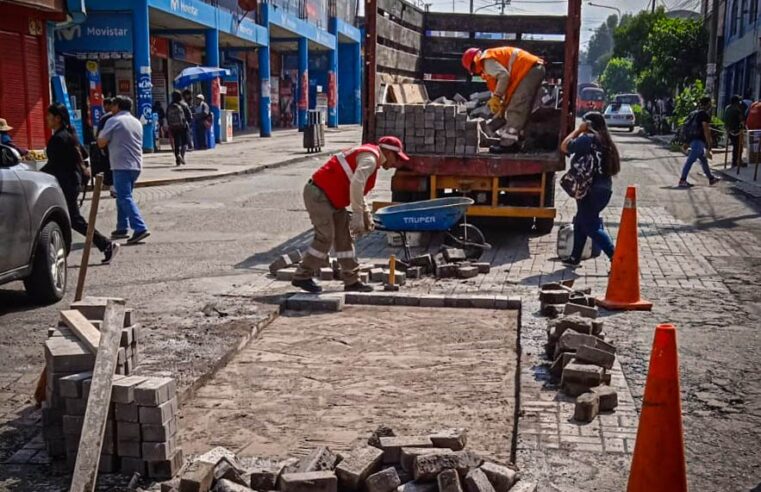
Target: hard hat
{"points": [[468, 57]]}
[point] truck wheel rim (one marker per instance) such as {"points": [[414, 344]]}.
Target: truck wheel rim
{"points": [[57, 254]]}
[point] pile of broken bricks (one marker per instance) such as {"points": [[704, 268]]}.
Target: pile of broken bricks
{"points": [[448, 263], [576, 344], [387, 463]]}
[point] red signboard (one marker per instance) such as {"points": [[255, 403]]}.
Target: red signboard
{"points": [[216, 100], [159, 47], [304, 92], [332, 89], [125, 86]]}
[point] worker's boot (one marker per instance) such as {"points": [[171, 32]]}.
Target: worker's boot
{"points": [[358, 286], [308, 285]]}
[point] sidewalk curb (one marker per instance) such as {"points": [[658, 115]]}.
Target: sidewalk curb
{"points": [[251, 170]]}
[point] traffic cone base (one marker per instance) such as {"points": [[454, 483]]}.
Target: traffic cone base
{"points": [[641, 305]]}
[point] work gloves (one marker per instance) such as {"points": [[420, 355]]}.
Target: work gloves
{"points": [[495, 104], [361, 224]]}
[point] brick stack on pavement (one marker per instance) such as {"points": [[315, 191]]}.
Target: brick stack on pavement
{"points": [[576, 344], [448, 263], [437, 462], [94, 308], [430, 128]]}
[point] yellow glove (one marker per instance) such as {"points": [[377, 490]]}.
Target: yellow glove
{"points": [[495, 104]]}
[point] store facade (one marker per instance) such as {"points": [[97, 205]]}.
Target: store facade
{"points": [[24, 65]]}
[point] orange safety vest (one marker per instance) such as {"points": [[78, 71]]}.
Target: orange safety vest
{"points": [[518, 62], [334, 177]]}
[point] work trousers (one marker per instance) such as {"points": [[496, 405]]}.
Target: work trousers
{"points": [[331, 230], [521, 104], [737, 150]]}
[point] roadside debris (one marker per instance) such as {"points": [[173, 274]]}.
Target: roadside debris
{"points": [[437, 462], [576, 345]]}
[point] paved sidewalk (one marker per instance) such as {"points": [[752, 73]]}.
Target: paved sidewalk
{"points": [[245, 154]]}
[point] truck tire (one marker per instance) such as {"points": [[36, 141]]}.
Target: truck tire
{"points": [[544, 226], [47, 282]]}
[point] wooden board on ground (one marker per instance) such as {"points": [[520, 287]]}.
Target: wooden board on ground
{"points": [[88, 455], [82, 328], [407, 94]]}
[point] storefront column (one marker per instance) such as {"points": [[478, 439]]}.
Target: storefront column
{"points": [[212, 60], [333, 86], [303, 82], [265, 86], [142, 67], [357, 58]]}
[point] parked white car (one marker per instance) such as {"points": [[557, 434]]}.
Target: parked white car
{"points": [[620, 116]]}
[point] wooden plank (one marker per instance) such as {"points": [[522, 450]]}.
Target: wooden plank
{"points": [[405, 12], [553, 51], [392, 59], [399, 34], [82, 328], [518, 24], [88, 455]]}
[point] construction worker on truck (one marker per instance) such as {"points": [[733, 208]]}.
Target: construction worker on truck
{"points": [[514, 76], [341, 182]]}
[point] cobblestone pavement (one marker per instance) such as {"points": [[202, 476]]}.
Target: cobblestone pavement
{"points": [[700, 252]]}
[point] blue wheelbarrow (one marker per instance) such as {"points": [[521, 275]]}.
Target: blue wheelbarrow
{"points": [[442, 215]]}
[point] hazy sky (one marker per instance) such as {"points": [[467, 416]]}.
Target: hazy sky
{"points": [[591, 16]]}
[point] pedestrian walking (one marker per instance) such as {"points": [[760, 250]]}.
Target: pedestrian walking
{"points": [[187, 98], [123, 135], [176, 115], [66, 162], [100, 158], [201, 122], [514, 77], [734, 122], [343, 182], [697, 131], [592, 142]]}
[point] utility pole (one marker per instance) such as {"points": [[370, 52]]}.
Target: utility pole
{"points": [[711, 71]]}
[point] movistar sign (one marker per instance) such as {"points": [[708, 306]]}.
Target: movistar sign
{"points": [[109, 32]]}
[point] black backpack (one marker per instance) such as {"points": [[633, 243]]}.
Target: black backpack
{"points": [[175, 117], [8, 156], [691, 128]]}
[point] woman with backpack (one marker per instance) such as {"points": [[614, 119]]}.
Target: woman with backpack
{"points": [[66, 162], [176, 117], [595, 161]]}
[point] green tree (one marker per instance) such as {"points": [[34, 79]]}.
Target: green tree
{"points": [[600, 45], [651, 86], [618, 76], [678, 49], [630, 36]]}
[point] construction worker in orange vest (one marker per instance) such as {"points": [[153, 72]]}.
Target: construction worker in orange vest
{"points": [[341, 182], [514, 76]]}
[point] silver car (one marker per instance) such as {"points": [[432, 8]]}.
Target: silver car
{"points": [[35, 232], [620, 116]]}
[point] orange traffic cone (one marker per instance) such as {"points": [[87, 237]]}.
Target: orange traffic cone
{"points": [[623, 284], [658, 463]]}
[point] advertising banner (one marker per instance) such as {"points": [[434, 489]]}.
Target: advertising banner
{"points": [[94, 93], [101, 32]]}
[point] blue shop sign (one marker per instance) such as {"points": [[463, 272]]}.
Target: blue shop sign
{"points": [[111, 32]]}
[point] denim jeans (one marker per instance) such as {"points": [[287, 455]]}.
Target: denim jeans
{"points": [[588, 223], [697, 152], [127, 214]]}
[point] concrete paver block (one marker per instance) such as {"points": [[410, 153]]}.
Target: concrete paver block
{"points": [[71, 386], [454, 439], [316, 302], [483, 267], [392, 446], [158, 415], [477, 481], [357, 465], [159, 451], [198, 477], [320, 459], [155, 391], [449, 481], [432, 300], [501, 477], [587, 407], [524, 486], [583, 374], [326, 274], [383, 481], [409, 455], [400, 278], [123, 390], [453, 255], [555, 296], [585, 311], [608, 397], [467, 272], [285, 274], [415, 486], [592, 355], [376, 275]]}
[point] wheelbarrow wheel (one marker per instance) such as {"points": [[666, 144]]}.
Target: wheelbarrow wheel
{"points": [[461, 235]]}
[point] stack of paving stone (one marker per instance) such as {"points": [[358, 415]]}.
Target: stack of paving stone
{"points": [[430, 128], [94, 308], [581, 357], [388, 463], [449, 263], [141, 429]]}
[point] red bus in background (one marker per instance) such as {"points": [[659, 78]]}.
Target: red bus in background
{"points": [[591, 98]]}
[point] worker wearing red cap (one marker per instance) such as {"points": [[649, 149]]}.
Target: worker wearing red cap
{"points": [[343, 182], [514, 77]]}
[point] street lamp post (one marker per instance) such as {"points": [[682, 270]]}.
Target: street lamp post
{"points": [[618, 11]]}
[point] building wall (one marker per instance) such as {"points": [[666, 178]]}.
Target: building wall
{"points": [[740, 55]]}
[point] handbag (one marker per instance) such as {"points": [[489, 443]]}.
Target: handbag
{"points": [[578, 179]]}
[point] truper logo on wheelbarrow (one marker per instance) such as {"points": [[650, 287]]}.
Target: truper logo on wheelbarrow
{"points": [[431, 219]]}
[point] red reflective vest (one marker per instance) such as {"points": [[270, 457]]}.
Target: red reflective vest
{"points": [[335, 181]]}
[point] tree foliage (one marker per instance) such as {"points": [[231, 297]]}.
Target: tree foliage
{"points": [[678, 49], [630, 36], [618, 76], [600, 45]]}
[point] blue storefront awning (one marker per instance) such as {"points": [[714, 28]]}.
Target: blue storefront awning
{"points": [[198, 74]]}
